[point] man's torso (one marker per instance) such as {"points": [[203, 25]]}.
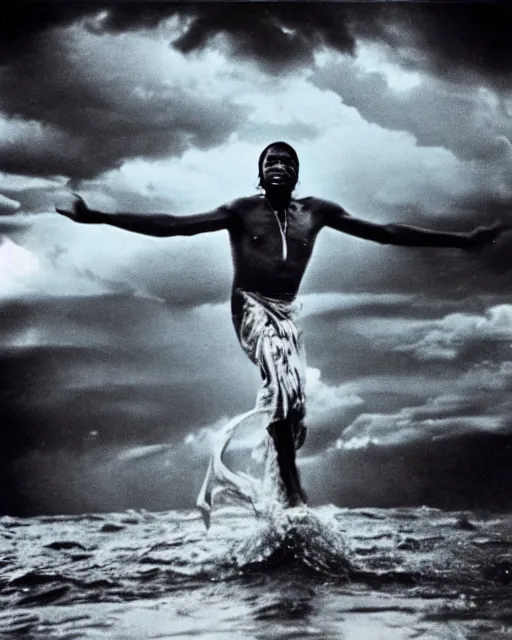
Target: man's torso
{"points": [[270, 258]]}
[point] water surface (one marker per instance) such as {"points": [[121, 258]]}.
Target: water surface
{"points": [[322, 572]]}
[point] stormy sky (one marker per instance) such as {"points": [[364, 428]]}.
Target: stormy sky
{"points": [[118, 359]]}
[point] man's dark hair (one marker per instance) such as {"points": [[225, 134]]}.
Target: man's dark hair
{"points": [[284, 146]]}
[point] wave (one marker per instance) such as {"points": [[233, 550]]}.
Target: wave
{"points": [[294, 538]]}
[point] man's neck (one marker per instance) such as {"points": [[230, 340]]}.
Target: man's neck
{"points": [[279, 199]]}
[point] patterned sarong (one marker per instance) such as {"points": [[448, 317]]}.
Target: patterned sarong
{"points": [[272, 340]]}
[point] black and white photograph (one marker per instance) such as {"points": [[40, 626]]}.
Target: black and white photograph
{"points": [[256, 320]]}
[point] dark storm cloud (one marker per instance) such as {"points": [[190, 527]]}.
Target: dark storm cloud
{"points": [[83, 379], [441, 36], [58, 112], [453, 38], [447, 38], [23, 380], [103, 479], [474, 35], [105, 363], [465, 34], [181, 276], [276, 34], [58, 109], [26, 23], [122, 389], [460, 124], [438, 275], [460, 473]]}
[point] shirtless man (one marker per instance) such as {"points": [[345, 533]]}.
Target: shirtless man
{"points": [[272, 236]]}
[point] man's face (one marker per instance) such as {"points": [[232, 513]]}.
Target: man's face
{"points": [[279, 169]]}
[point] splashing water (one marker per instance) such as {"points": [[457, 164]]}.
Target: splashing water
{"points": [[295, 537], [243, 481], [258, 484]]}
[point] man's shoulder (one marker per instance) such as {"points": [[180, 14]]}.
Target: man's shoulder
{"points": [[241, 205], [319, 206]]}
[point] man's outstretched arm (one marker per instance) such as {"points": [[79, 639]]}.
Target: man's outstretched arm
{"points": [[407, 236], [157, 224]]}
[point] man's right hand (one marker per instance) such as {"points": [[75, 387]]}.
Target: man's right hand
{"points": [[79, 211]]}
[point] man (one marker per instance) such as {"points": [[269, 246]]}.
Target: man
{"points": [[272, 237]]}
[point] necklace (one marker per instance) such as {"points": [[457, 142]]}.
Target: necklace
{"points": [[282, 230]]}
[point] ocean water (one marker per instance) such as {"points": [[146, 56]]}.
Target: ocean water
{"points": [[321, 572]]}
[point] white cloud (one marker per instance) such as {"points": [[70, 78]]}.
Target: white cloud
{"points": [[295, 99], [19, 182], [17, 265], [372, 58], [61, 259], [444, 339], [439, 418], [8, 205], [197, 181], [323, 399], [320, 303], [488, 376]]}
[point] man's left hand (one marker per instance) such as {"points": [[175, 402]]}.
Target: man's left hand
{"points": [[482, 236]]}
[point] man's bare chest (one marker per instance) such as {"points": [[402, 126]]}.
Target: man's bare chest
{"points": [[296, 223]]}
